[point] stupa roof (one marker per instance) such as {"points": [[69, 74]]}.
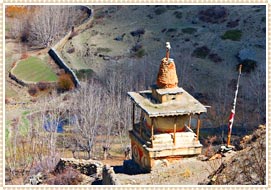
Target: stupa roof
{"points": [[187, 104]]}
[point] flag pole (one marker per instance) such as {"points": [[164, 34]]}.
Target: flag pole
{"points": [[232, 114]]}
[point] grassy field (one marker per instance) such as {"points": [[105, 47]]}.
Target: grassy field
{"points": [[34, 69]]}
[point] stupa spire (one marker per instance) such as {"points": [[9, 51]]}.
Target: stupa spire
{"points": [[167, 76]]}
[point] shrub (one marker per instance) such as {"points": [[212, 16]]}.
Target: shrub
{"points": [[140, 53], [214, 14], [32, 90], [234, 35], [178, 14], [24, 56], [65, 82], [42, 85], [106, 50], [84, 73], [70, 50], [171, 31], [232, 24], [160, 10], [15, 11], [138, 32], [189, 30], [69, 176], [215, 58], [201, 52], [247, 65]]}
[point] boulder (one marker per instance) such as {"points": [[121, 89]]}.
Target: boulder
{"points": [[109, 177], [87, 167]]}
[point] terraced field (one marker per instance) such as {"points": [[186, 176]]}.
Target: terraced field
{"points": [[33, 69]]}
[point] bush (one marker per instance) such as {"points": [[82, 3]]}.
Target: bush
{"points": [[32, 90], [178, 14], [215, 58], [24, 56], [105, 50], [42, 85], [247, 65], [140, 53], [65, 82], [70, 50], [214, 14], [84, 73], [138, 32], [201, 52], [69, 176], [189, 30], [160, 10], [234, 35]]}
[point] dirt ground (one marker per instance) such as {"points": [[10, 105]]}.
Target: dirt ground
{"points": [[187, 171]]}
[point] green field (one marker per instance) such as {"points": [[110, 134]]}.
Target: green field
{"points": [[34, 69]]}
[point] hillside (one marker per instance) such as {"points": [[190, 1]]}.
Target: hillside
{"points": [[247, 166], [208, 43]]}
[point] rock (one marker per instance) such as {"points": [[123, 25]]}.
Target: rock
{"points": [[106, 58], [87, 167], [109, 177], [246, 54], [36, 179]]}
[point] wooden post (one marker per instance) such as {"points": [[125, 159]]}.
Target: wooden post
{"points": [[152, 133], [198, 126], [229, 139], [133, 115], [174, 133]]}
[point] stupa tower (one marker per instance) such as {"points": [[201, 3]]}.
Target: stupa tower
{"points": [[164, 128]]}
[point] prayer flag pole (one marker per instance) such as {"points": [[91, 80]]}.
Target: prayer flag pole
{"points": [[233, 109]]}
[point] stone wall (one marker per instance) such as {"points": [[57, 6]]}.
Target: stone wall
{"points": [[60, 62], [87, 167]]}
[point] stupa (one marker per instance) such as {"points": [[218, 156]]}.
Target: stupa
{"points": [[164, 128]]}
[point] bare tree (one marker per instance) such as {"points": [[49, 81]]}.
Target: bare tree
{"points": [[50, 23], [87, 108]]}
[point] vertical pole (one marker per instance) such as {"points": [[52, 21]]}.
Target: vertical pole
{"points": [[152, 132], [189, 124], [229, 138], [198, 126], [174, 134], [133, 115], [167, 54], [141, 123], [233, 109]]}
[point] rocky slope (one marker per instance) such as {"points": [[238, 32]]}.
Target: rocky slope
{"points": [[247, 166]]}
